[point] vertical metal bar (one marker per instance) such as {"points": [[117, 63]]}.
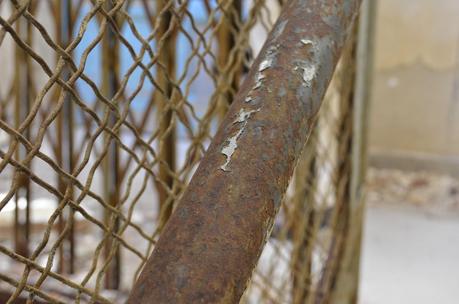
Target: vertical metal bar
{"points": [[347, 286], [229, 70], [166, 42], [211, 244], [22, 195], [111, 165], [363, 89], [65, 145], [340, 222], [303, 222]]}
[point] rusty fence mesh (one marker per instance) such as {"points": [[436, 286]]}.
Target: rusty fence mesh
{"points": [[106, 108]]}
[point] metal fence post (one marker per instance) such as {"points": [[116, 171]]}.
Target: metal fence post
{"points": [[64, 149], [111, 178], [303, 222], [340, 222], [21, 180], [346, 290], [166, 42], [227, 68]]}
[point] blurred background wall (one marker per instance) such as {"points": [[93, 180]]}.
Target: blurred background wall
{"points": [[414, 121]]}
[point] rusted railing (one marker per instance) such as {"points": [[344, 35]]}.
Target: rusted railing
{"points": [[212, 242]]}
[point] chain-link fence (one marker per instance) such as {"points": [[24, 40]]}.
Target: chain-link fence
{"points": [[107, 108]]}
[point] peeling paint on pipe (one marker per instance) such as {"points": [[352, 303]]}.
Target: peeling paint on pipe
{"points": [[229, 149], [212, 242]]}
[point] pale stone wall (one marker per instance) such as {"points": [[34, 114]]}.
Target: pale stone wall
{"points": [[415, 100]]}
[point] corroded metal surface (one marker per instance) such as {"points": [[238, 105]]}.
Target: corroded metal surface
{"points": [[212, 242]]}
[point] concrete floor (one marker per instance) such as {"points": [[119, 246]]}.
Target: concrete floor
{"points": [[409, 256]]}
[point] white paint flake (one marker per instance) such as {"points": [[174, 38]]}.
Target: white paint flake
{"points": [[231, 147], [308, 73], [244, 115], [259, 81], [306, 41], [267, 63]]}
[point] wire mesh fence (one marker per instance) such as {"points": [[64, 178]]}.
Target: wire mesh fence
{"points": [[106, 109]]}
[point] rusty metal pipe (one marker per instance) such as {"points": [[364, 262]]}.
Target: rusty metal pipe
{"points": [[111, 177], [65, 151], [211, 244], [167, 41], [22, 216]]}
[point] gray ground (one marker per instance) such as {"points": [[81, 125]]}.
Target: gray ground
{"points": [[411, 250]]}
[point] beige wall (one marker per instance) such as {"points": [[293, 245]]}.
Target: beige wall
{"points": [[415, 104]]}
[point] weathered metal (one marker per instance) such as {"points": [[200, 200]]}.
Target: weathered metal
{"points": [[304, 218], [112, 178], [167, 42], [213, 240], [22, 197], [340, 218], [228, 58], [64, 150], [346, 290]]}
